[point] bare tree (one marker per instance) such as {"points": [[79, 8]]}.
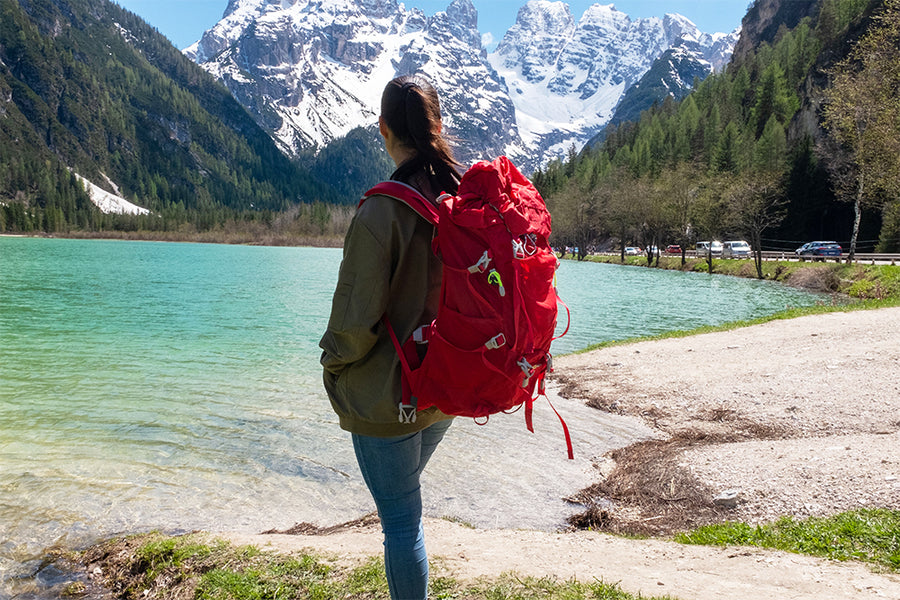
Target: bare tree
{"points": [[649, 202], [680, 189], [575, 215], [757, 203], [709, 211], [620, 215]]}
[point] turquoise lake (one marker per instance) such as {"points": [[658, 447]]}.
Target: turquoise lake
{"points": [[176, 386]]}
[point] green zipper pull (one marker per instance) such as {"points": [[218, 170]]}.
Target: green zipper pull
{"points": [[494, 279]]}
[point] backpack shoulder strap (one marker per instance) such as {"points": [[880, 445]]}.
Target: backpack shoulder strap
{"points": [[408, 195], [429, 211]]}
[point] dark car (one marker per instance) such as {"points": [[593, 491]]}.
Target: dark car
{"points": [[673, 249], [818, 249]]}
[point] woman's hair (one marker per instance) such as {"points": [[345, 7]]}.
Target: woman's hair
{"points": [[412, 111]]}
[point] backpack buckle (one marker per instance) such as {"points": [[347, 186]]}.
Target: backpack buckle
{"points": [[518, 249], [527, 368], [421, 334], [498, 341], [407, 413], [482, 264], [525, 246]]}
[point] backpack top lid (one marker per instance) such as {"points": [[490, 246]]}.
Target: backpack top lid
{"points": [[509, 193]]}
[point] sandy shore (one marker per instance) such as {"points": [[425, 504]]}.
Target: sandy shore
{"points": [[798, 417]]}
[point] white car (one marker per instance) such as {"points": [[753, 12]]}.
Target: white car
{"points": [[703, 248], [736, 249]]}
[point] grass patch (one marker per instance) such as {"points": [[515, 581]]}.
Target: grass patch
{"points": [[512, 587], [164, 553], [272, 577], [458, 521], [192, 567], [867, 535]]}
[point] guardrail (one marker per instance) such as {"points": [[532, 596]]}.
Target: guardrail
{"points": [[861, 257], [858, 257]]}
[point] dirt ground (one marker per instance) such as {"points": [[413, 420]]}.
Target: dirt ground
{"points": [[797, 417]]}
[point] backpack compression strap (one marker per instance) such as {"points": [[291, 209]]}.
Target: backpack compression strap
{"points": [[408, 195]]}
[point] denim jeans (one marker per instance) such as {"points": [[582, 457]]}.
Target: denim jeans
{"points": [[391, 468]]}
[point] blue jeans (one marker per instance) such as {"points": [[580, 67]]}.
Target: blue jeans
{"points": [[391, 468]]}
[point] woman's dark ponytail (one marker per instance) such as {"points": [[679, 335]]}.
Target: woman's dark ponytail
{"points": [[411, 109]]}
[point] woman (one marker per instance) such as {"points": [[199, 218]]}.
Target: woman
{"points": [[389, 269]]}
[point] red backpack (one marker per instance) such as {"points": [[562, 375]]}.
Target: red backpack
{"points": [[489, 346]]}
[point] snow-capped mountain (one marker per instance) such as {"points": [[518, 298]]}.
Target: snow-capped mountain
{"points": [[312, 70], [672, 74], [566, 78]]}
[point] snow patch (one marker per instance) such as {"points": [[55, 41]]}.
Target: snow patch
{"points": [[109, 203]]}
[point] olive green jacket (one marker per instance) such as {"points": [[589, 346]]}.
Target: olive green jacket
{"points": [[388, 268]]}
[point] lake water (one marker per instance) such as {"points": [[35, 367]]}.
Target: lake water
{"points": [[176, 386]]}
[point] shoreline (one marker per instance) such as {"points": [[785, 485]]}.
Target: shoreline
{"points": [[650, 567], [828, 424], [224, 238], [822, 421]]}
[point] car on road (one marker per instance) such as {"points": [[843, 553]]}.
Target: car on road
{"points": [[703, 248], [673, 249], [632, 251], [736, 249], [818, 250]]}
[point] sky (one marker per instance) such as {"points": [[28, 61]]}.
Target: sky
{"points": [[184, 21]]}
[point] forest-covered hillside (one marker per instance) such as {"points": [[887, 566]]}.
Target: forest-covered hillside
{"points": [[87, 87], [796, 140]]}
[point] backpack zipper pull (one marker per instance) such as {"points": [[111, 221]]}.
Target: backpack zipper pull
{"points": [[494, 279]]}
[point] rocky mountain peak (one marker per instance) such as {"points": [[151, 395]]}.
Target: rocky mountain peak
{"points": [[312, 70], [604, 16], [463, 21], [541, 31], [677, 26]]}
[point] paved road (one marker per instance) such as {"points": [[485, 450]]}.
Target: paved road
{"points": [[864, 258]]}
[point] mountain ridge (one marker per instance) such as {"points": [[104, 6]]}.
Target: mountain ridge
{"points": [[310, 71]]}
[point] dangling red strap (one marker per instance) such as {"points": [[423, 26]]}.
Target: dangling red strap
{"points": [[528, 411], [568, 317], [565, 431], [403, 362]]}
